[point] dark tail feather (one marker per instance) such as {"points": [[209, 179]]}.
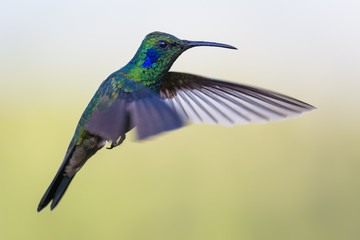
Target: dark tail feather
{"points": [[58, 186]]}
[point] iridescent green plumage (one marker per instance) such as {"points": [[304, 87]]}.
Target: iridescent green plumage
{"points": [[150, 70], [135, 70], [145, 95]]}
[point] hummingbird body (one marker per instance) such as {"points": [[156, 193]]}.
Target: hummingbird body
{"points": [[145, 95]]}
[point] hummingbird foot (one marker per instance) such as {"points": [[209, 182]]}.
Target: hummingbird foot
{"points": [[122, 138]]}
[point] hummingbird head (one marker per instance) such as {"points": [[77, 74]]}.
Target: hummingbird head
{"points": [[157, 53], [160, 50]]}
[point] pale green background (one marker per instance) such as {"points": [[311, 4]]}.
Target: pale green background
{"points": [[297, 179]]}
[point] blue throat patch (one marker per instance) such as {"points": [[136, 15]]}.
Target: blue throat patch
{"points": [[151, 57]]}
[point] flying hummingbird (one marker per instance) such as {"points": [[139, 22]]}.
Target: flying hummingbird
{"points": [[145, 95]]}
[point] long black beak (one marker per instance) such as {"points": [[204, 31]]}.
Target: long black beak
{"points": [[190, 44]]}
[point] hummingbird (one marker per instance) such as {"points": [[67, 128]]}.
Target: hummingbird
{"points": [[145, 95]]}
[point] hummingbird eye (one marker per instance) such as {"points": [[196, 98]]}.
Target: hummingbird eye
{"points": [[163, 44]]}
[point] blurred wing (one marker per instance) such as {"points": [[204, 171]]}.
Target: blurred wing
{"points": [[112, 121], [151, 115], [201, 99], [140, 108]]}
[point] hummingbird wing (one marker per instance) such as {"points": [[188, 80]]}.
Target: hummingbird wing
{"points": [[119, 109], [207, 100]]}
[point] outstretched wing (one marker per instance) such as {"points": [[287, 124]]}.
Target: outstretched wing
{"points": [[119, 109], [201, 99]]}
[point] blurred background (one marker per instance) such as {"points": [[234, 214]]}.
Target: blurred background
{"points": [[296, 179]]}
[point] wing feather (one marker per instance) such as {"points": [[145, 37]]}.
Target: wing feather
{"points": [[151, 116], [141, 108], [201, 99]]}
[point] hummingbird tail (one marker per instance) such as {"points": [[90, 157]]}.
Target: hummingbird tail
{"points": [[58, 186]]}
